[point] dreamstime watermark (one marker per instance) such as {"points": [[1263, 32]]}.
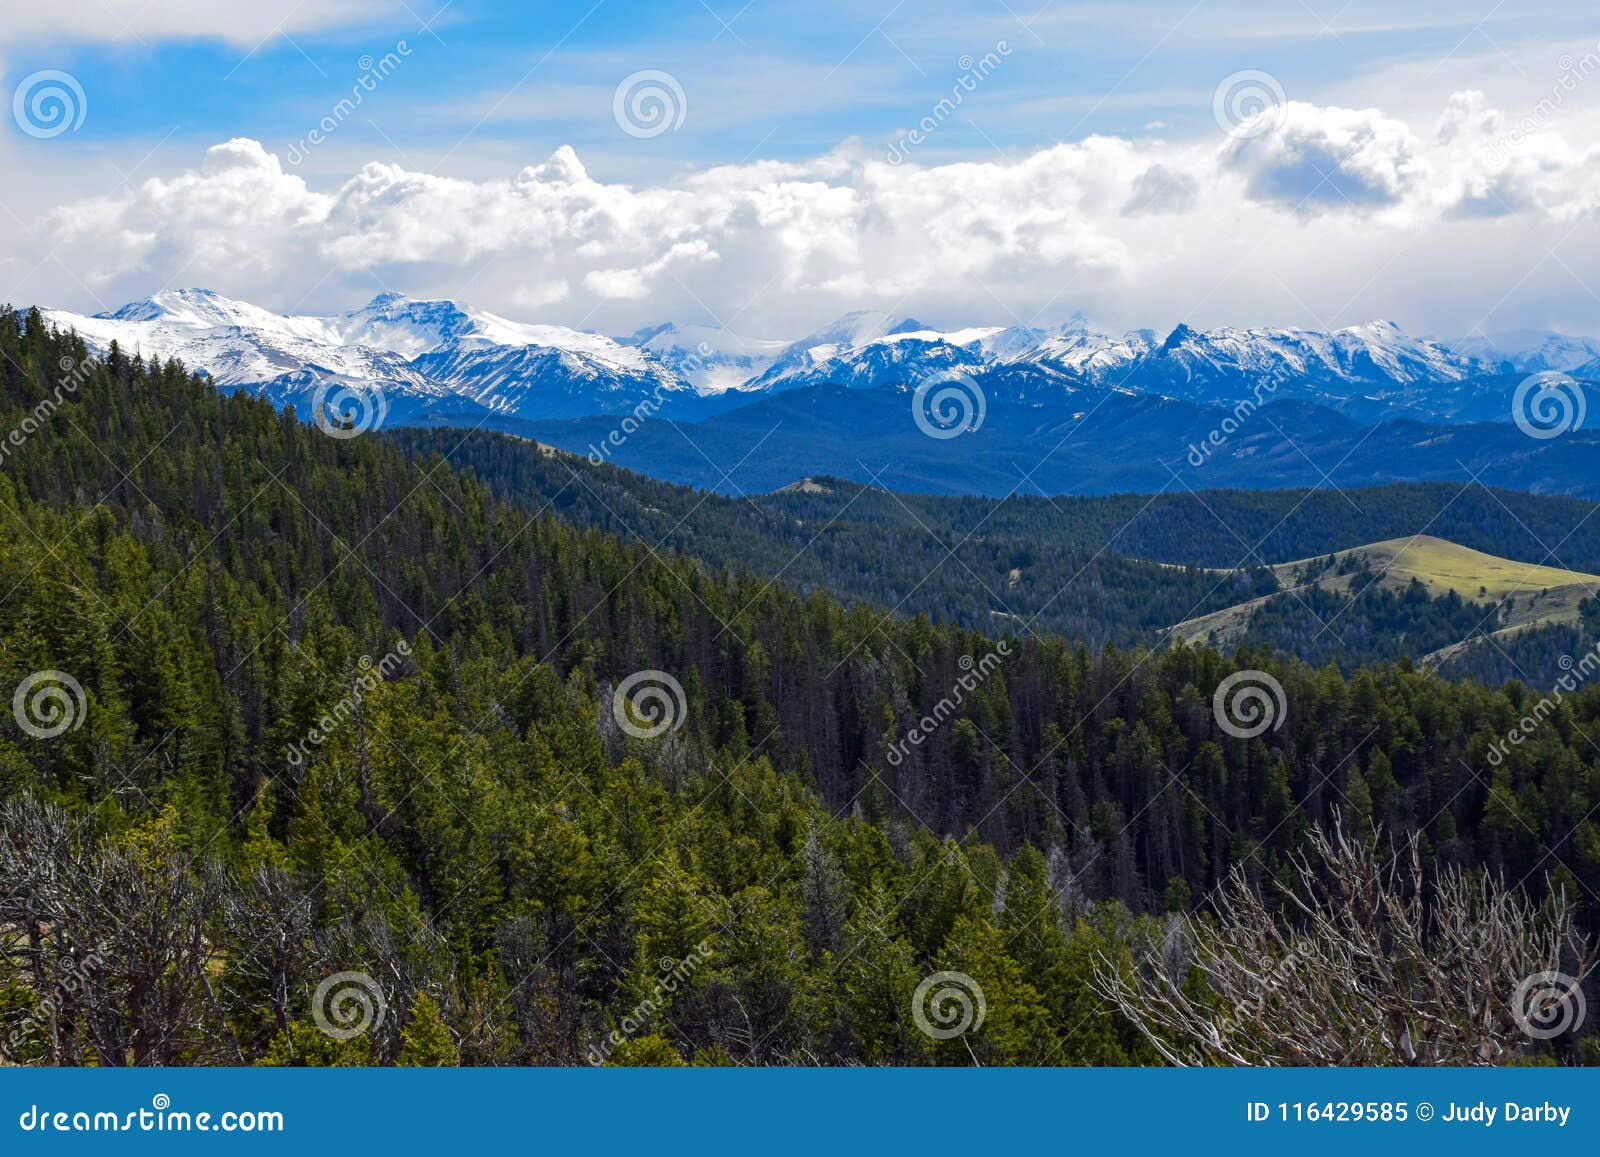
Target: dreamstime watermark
{"points": [[369, 406], [1253, 1005], [1548, 1004], [1578, 672], [373, 72], [49, 703], [648, 704], [48, 103], [1548, 404], [973, 73], [160, 1117], [647, 408], [75, 373], [648, 103], [369, 675], [948, 1004], [1200, 452], [1248, 104], [1572, 72], [1248, 703], [976, 673], [674, 974], [74, 978], [347, 1004], [948, 405]]}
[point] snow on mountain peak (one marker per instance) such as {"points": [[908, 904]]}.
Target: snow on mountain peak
{"points": [[711, 358], [191, 308], [1531, 351], [427, 350], [440, 352]]}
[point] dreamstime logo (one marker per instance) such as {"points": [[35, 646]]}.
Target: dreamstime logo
{"points": [[653, 697], [1247, 104], [41, 1019], [1200, 452], [49, 103], [368, 408], [74, 374], [348, 1004], [1572, 72], [600, 452], [1548, 404], [674, 975], [948, 1004], [648, 103], [373, 72], [48, 703], [1247, 703], [974, 674], [160, 1117], [948, 405], [364, 681], [1575, 673], [973, 73], [1275, 982], [1548, 1004]]}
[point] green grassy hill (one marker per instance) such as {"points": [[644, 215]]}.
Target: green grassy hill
{"points": [[1514, 595]]}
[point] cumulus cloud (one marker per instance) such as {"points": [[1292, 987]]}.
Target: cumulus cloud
{"points": [[1310, 159], [1160, 189], [785, 244], [1467, 114]]}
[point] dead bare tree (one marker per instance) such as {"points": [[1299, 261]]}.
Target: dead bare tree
{"points": [[1368, 961], [111, 935]]}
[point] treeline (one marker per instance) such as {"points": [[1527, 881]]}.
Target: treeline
{"points": [[478, 830]]}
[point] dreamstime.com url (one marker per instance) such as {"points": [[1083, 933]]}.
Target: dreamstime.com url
{"points": [[160, 1117]]}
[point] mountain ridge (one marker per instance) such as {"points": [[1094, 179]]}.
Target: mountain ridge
{"points": [[425, 353]]}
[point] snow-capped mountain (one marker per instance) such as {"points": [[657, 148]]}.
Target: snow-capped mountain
{"points": [[908, 355], [710, 358], [1220, 366], [444, 362], [237, 343], [1227, 365], [433, 360], [866, 351], [1080, 352], [1531, 351], [796, 361]]}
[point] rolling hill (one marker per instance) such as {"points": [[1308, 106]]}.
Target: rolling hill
{"points": [[1504, 595]]}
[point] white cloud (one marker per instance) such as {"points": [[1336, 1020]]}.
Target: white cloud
{"points": [[1160, 189], [1309, 158], [246, 22], [1467, 113], [1330, 211]]}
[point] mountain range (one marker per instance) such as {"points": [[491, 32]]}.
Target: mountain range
{"points": [[434, 361], [1106, 411]]}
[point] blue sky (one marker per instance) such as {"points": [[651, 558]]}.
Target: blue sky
{"points": [[770, 91], [763, 79]]}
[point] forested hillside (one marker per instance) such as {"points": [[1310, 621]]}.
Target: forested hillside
{"points": [[343, 709], [1178, 526], [1068, 565], [983, 565]]}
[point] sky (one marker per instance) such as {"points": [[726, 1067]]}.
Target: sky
{"points": [[767, 166]]}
